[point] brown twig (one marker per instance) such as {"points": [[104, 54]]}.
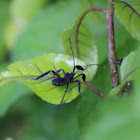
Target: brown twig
{"points": [[111, 45], [94, 90]]}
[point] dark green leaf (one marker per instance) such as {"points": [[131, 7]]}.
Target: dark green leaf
{"points": [[129, 17], [86, 4], [82, 43]]}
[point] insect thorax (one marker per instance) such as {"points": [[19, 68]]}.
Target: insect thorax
{"points": [[69, 76], [62, 81]]}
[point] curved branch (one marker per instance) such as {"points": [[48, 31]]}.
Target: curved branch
{"points": [[80, 21]]}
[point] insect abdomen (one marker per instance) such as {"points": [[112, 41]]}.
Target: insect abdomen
{"points": [[59, 81]]}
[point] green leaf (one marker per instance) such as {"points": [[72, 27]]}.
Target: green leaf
{"points": [[129, 64], [128, 79], [85, 5], [128, 71], [82, 43], [129, 17], [26, 72]]}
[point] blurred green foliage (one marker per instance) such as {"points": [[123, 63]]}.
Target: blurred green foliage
{"points": [[34, 28]]}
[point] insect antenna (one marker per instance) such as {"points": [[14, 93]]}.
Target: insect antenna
{"points": [[72, 55], [94, 64]]}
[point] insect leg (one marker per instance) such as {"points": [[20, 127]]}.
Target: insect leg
{"points": [[63, 96], [119, 61], [79, 85], [62, 71], [83, 76], [45, 73]]}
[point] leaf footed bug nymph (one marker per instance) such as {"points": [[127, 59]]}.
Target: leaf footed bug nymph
{"points": [[68, 77]]}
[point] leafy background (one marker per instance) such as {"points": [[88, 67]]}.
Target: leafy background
{"points": [[27, 32]]}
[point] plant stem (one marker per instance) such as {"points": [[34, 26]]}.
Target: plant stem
{"points": [[111, 45], [94, 90], [111, 42]]}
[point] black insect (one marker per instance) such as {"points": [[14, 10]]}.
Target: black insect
{"points": [[68, 77]]}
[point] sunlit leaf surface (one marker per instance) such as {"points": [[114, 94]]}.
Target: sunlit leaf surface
{"points": [[26, 72]]}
